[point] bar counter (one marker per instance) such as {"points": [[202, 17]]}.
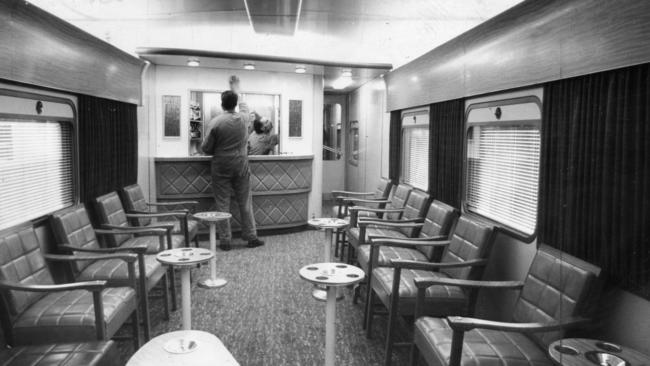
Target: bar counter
{"points": [[280, 187]]}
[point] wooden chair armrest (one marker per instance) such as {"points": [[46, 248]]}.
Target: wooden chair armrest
{"points": [[172, 203], [367, 223], [138, 249], [459, 323], [350, 193], [429, 266], [129, 258], [131, 230], [370, 209], [406, 243], [406, 221], [93, 286], [157, 214], [427, 282], [367, 200]]}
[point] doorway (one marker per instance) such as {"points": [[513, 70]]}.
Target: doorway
{"points": [[334, 127]]}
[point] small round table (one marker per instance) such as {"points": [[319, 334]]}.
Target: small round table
{"points": [[332, 276], [591, 352], [212, 218], [328, 225], [185, 258], [202, 349]]}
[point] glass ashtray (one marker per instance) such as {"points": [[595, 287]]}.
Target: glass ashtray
{"points": [[181, 345]]}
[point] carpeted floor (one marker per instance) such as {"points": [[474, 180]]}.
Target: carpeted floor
{"points": [[266, 316]]}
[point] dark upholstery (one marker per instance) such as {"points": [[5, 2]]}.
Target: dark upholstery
{"points": [[439, 300], [481, 347], [470, 240], [64, 354], [115, 271], [558, 286], [33, 318], [69, 316], [134, 201], [438, 222], [72, 227], [386, 254], [398, 201], [383, 191]]}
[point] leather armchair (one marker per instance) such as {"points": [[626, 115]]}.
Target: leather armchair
{"points": [[73, 232], [553, 298], [464, 257], [35, 310], [175, 213], [63, 354], [343, 199]]}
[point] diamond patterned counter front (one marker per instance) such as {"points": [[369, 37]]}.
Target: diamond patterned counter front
{"points": [[280, 188]]}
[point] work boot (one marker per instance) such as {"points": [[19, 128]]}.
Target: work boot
{"points": [[255, 243]]}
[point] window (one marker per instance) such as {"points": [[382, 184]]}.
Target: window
{"points": [[36, 165], [415, 149], [502, 166]]}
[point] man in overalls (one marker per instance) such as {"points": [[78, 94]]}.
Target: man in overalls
{"points": [[227, 143]]}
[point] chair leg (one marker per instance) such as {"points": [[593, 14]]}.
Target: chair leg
{"points": [[172, 282], [369, 313], [135, 326], [336, 243], [196, 240], [415, 355], [165, 295], [144, 301]]}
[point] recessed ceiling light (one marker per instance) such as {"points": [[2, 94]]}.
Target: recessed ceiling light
{"points": [[301, 69], [341, 83], [193, 62], [346, 73], [249, 66]]}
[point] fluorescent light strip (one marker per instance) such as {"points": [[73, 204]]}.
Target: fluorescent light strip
{"points": [[248, 13], [295, 29]]}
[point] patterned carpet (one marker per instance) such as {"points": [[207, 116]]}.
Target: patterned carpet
{"points": [[266, 315]]}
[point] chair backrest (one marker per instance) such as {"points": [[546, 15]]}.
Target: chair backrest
{"points": [[133, 199], [71, 226], [384, 187], [415, 208], [398, 200], [21, 261], [470, 240], [438, 222], [557, 286], [110, 211]]}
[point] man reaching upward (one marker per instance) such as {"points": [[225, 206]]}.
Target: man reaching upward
{"points": [[227, 143]]}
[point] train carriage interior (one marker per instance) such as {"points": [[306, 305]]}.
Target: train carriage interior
{"points": [[325, 182]]}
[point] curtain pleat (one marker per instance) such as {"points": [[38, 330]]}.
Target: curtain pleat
{"points": [[395, 140], [595, 177], [446, 123], [108, 151]]}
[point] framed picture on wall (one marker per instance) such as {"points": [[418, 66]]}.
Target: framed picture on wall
{"points": [[295, 118], [171, 115]]}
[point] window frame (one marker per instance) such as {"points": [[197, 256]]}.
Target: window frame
{"points": [[71, 121], [517, 234], [414, 113]]}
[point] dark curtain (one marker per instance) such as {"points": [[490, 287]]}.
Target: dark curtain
{"points": [[395, 141], [595, 178], [108, 146], [446, 121]]}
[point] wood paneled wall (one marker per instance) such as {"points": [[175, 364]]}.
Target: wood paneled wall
{"points": [[39, 49], [533, 42]]}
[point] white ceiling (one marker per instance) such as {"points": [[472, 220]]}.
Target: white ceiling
{"points": [[361, 31]]}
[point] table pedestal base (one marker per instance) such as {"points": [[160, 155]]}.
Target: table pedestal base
{"points": [[209, 283], [320, 293]]}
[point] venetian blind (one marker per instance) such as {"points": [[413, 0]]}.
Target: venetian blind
{"points": [[415, 156], [36, 169], [503, 171]]}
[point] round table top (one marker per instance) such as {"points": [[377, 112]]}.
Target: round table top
{"points": [[209, 351], [184, 256], [332, 274], [328, 223], [581, 351], [212, 216]]}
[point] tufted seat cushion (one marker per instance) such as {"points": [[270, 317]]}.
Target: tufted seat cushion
{"points": [[115, 271], [65, 354], [192, 226], [386, 254], [153, 243], [353, 233], [482, 346], [69, 316], [439, 300]]}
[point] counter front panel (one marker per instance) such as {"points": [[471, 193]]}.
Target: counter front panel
{"points": [[280, 187]]}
